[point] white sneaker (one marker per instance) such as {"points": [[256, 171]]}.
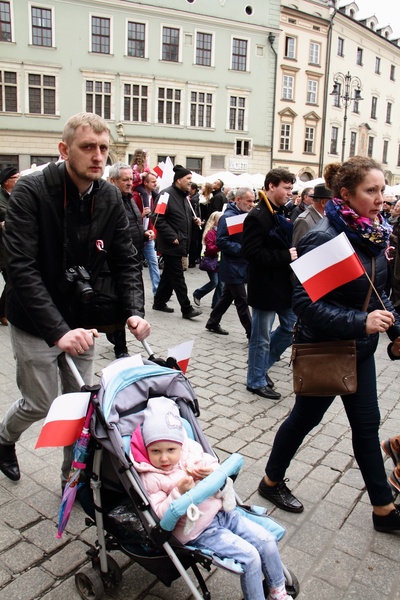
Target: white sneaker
{"points": [[196, 300]]}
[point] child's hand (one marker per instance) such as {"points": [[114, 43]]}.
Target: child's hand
{"points": [[185, 484], [201, 472]]}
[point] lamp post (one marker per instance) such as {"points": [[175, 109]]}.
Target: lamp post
{"points": [[348, 89]]}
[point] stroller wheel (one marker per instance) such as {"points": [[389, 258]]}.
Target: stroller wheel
{"points": [[292, 584], [113, 577], [89, 584]]}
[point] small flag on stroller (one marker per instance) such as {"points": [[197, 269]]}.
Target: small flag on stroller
{"points": [[182, 353], [80, 454]]}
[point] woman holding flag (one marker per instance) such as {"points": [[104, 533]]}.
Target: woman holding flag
{"points": [[335, 314]]}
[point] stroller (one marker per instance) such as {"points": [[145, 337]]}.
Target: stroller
{"points": [[114, 498]]}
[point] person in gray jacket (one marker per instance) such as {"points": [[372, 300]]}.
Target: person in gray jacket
{"points": [[314, 213]]}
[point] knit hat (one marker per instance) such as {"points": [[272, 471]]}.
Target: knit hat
{"points": [[7, 173], [162, 422], [180, 172]]}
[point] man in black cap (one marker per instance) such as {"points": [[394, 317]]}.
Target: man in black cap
{"points": [[8, 178], [316, 211], [174, 226]]}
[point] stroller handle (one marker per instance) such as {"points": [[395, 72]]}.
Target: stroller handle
{"points": [[204, 489]]}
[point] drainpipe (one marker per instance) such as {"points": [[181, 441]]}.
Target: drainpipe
{"points": [[271, 39], [326, 91]]}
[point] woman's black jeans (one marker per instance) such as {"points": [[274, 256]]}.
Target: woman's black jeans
{"points": [[363, 414]]}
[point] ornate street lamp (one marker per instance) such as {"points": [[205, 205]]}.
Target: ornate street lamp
{"points": [[348, 89]]}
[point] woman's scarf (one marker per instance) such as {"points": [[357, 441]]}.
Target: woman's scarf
{"points": [[373, 234]]}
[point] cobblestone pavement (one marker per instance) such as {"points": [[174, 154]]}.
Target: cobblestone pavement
{"points": [[331, 547]]}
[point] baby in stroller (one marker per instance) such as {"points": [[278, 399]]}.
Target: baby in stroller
{"points": [[170, 464]]}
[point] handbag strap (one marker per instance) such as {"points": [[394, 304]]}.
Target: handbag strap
{"points": [[368, 297]]}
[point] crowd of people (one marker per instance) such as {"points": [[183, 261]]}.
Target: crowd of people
{"points": [[74, 267]]}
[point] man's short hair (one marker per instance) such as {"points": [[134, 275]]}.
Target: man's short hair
{"points": [[242, 191], [83, 119], [275, 176], [115, 170]]}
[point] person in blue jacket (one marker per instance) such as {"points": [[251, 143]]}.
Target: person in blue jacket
{"points": [[357, 187], [233, 265]]}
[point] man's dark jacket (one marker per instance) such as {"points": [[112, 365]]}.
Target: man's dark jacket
{"points": [[135, 222], [217, 202], [269, 285], [176, 223], [97, 228]]}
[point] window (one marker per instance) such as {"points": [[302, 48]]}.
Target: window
{"points": [[389, 112], [374, 105], [8, 91], [356, 106], [136, 39], [392, 73], [370, 149], [41, 27], [242, 147], [385, 151], [334, 140], [200, 109], [169, 106], [290, 47], [288, 86], [239, 55], [353, 143], [194, 164], [203, 49], [43, 160], [135, 102], [312, 89], [337, 97], [286, 133], [237, 108], [101, 35], [163, 157], [340, 47], [5, 22], [42, 94], [8, 160], [315, 50], [98, 98], [309, 140], [377, 65], [170, 44], [359, 58]]}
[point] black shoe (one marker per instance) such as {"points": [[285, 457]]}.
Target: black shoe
{"points": [[8, 462], [163, 308], [264, 392], [122, 355], [217, 329], [270, 383], [388, 523], [281, 496], [194, 312]]}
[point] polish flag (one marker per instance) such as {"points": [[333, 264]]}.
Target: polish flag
{"points": [[158, 169], [64, 421], [161, 205], [235, 224], [182, 354], [327, 267]]}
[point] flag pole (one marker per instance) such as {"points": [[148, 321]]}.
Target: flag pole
{"points": [[376, 291], [194, 214]]}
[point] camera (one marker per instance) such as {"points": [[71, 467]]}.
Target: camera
{"points": [[77, 279]]}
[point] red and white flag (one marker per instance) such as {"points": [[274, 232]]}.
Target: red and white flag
{"points": [[182, 354], [161, 205], [158, 170], [235, 224], [327, 267], [64, 421]]}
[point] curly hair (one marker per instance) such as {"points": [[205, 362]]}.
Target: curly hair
{"points": [[348, 174]]}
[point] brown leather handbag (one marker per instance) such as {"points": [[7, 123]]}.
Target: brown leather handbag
{"points": [[326, 368]]}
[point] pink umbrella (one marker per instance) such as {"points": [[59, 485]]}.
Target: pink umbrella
{"points": [[78, 464]]}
